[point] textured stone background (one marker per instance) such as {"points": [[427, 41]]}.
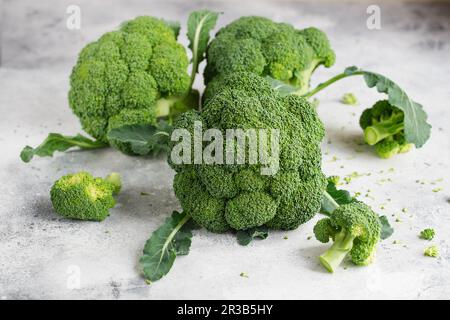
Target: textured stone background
{"points": [[38, 249]]}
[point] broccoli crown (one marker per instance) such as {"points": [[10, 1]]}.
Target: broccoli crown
{"points": [[261, 46], [119, 79], [383, 126], [355, 230], [427, 234], [84, 197], [220, 197]]}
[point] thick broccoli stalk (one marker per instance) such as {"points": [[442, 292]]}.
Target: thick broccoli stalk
{"points": [[134, 75], [263, 47], [355, 230], [84, 197], [383, 126], [220, 197]]}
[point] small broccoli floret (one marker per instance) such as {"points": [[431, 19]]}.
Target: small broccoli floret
{"points": [[263, 47], [427, 234], [355, 230], [84, 197], [130, 76], [220, 197], [383, 126], [349, 98], [432, 251]]}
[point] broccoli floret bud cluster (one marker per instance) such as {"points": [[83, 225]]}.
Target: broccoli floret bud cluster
{"points": [[355, 230], [84, 197], [128, 76], [221, 197], [261, 46], [383, 126]]}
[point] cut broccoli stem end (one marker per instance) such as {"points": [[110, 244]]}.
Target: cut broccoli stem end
{"points": [[377, 132], [115, 179], [334, 256]]}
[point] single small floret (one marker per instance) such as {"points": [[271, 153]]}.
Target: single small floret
{"points": [[261, 46], [349, 98], [432, 251], [84, 197], [220, 197], [355, 230], [383, 126], [427, 234], [130, 76]]}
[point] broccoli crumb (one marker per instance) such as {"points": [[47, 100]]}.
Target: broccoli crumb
{"points": [[285, 237], [350, 99], [244, 275], [145, 194], [437, 189], [432, 251], [427, 234]]}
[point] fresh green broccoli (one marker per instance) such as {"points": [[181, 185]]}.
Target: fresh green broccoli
{"points": [[84, 197], [355, 230], [427, 234], [432, 251], [221, 197], [130, 76], [383, 126], [349, 98], [261, 46]]}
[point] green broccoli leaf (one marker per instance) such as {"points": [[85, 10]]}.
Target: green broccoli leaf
{"points": [[334, 197], [386, 229], [57, 142], [144, 138], [244, 237], [200, 23], [417, 130], [283, 89], [171, 239]]}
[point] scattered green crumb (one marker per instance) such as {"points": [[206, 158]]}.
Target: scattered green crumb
{"points": [[382, 207], [147, 281], [334, 159], [396, 242], [349, 98], [106, 231], [404, 210], [388, 199], [432, 251], [357, 194], [427, 234], [437, 189], [391, 170], [145, 194], [398, 220], [285, 237], [244, 275], [309, 238]]}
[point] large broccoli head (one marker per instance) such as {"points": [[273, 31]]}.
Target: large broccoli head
{"points": [[383, 126], [220, 197], [82, 196], [355, 229], [261, 46], [128, 76]]}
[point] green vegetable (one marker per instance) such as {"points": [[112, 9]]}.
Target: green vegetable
{"points": [[57, 142], [244, 237], [84, 197], [349, 98], [261, 46], [223, 197], [171, 239], [383, 126], [432, 251], [355, 230], [414, 122], [427, 234], [334, 197]]}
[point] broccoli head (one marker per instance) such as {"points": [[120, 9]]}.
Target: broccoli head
{"points": [[235, 196], [84, 197], [355, 230], [427, 234], [383, 126], [263, 47], [129, 76]]}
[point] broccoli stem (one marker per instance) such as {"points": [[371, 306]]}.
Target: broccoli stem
{"points": [[325, 84], [332, 258], [379, 131]]}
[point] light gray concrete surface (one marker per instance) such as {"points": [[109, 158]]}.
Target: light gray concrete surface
{"points": [[39, 251]]}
